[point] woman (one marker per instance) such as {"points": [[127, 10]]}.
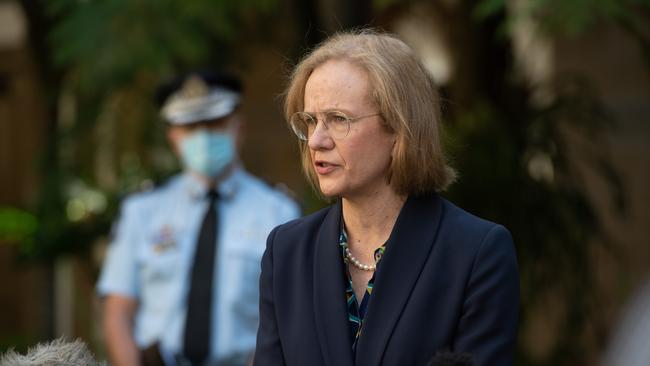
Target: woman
{"points": [[391, 273]]}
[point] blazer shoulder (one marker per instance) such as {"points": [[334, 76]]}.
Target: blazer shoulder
{"points": [[290, 246], [303, 225], [456, 216], [471, 230]]}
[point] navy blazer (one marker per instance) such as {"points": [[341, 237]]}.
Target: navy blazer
{"points": [[447, 281]]}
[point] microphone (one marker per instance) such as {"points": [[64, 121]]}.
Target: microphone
{"points": [[58, 352]]}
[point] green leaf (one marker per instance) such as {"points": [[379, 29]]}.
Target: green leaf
{"points": [[487, 8], [16, 225]]}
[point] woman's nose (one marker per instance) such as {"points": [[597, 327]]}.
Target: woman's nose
{"points": [[320, 138]]}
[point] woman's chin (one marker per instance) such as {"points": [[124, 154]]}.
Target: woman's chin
{"points": [[329, 192]]}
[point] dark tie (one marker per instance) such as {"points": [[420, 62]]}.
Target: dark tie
{"points": [[198, 323]]}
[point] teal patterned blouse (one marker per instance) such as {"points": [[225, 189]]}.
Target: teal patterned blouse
{"points": [[356, 311]]}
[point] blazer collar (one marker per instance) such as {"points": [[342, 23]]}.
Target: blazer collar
{"points": [[407, 249], [329, 293]]}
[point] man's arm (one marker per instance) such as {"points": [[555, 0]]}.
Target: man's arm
{"points": [[118, 330], [118, 287]]}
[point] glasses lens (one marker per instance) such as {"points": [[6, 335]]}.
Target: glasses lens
{"points": [[338, 124], [300, 124]]}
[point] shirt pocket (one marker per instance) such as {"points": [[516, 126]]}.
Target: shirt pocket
{"points": [[162, 285], [161, 258], [158, 269], [161, 279]]}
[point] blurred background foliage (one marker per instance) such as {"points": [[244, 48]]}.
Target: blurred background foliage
{"points": [[510, 138], [103, 61]]}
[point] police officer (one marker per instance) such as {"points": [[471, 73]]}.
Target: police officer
{"points": [[180, 280]]}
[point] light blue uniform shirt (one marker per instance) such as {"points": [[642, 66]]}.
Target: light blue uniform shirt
{"points": [[151, 256]]}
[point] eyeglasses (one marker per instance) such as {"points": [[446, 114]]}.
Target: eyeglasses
{"points": [[336, 123]]}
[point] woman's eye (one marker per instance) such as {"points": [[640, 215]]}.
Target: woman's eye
{"points": [[338, 118], [306, 119]]}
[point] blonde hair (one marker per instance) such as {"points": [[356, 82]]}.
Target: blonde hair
{"points": [[404, 94]]}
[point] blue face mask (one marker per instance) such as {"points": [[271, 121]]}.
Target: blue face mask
{"points": [[207, 153]]}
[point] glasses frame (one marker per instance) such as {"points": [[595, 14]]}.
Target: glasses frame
{"points": [[349, 120]]}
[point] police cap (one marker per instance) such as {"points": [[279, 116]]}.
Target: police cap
{"points": [[198, 96]]}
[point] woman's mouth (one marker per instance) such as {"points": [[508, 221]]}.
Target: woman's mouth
{"points": [[324, 167]]}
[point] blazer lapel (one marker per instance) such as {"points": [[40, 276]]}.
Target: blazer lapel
{"points": [[329, 293], [407, 250]]}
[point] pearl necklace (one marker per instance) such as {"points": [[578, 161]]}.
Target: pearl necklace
{"points": [[357, 263]]}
